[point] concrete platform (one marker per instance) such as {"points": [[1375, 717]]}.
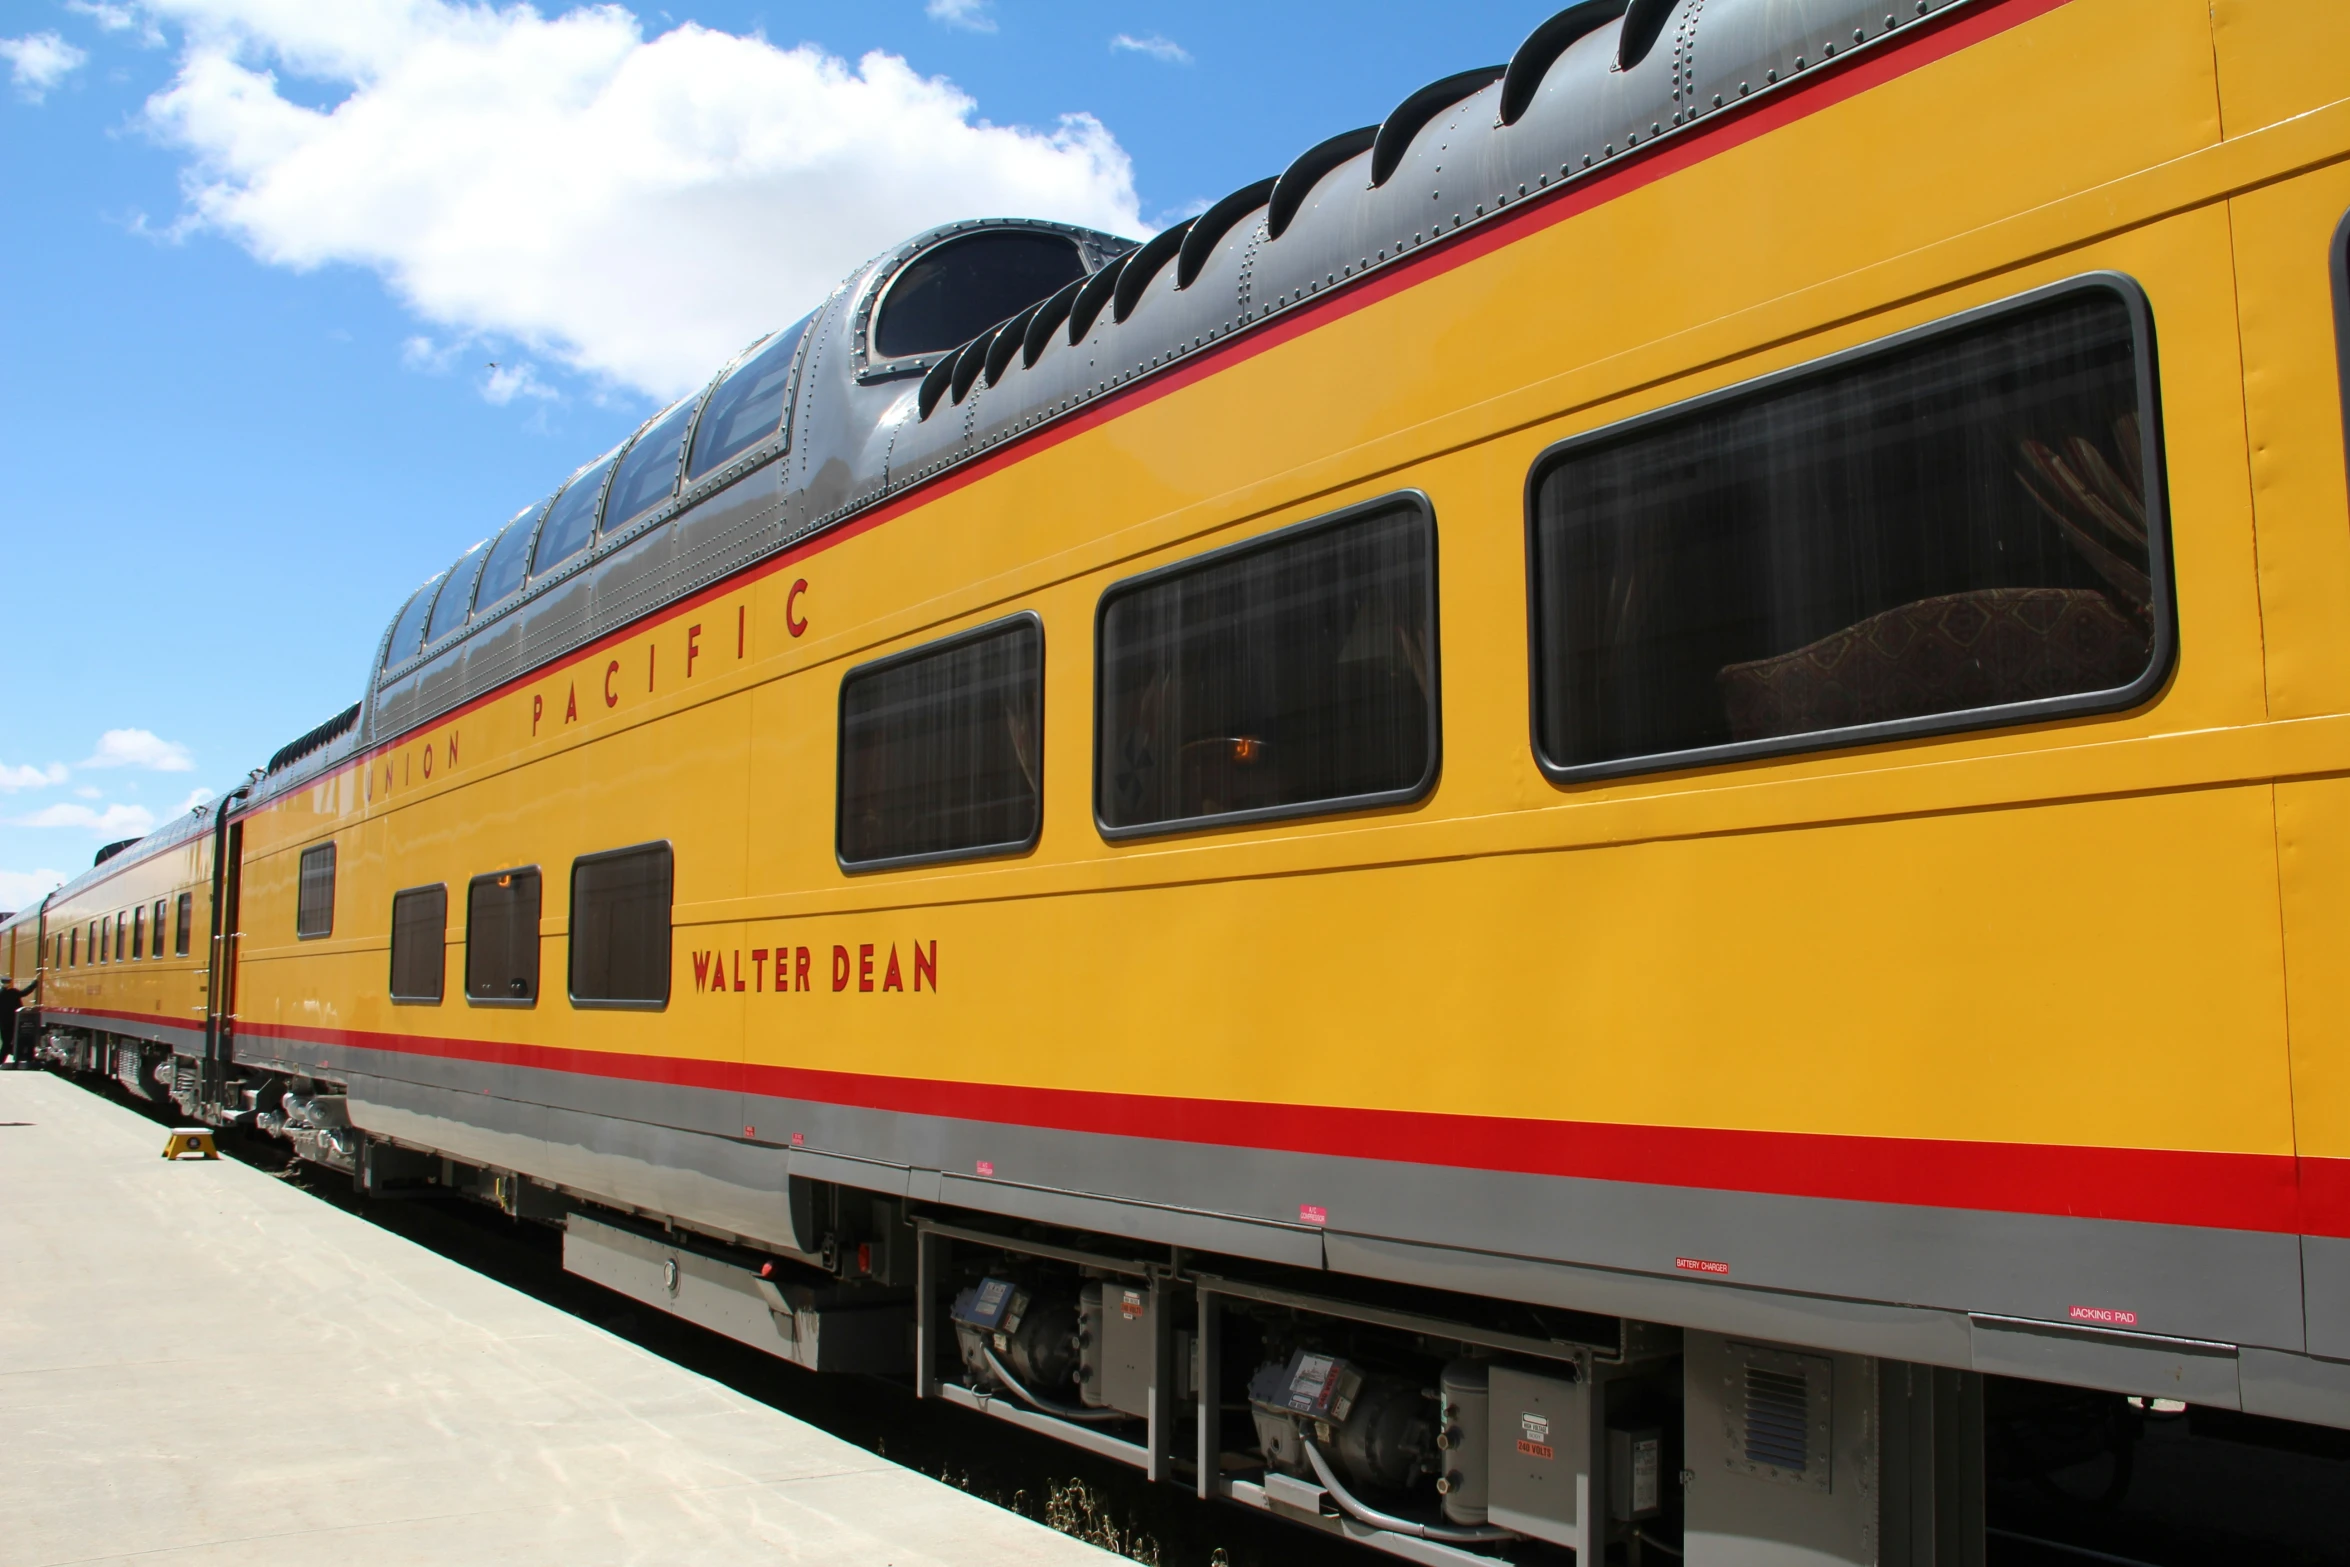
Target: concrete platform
{"points": [[201, 1364]]}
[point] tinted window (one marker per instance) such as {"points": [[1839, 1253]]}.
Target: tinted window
{"points": [[502, 573], [620, 926], [121, 928], [456, 600], [139, 932], [162, 916], [408, 630], [1293, 674], [748, 405], [183, 924], [952, 293], [420, 937], [502, 938], [1957, 524], [571, 521], [314, 916], [940, 749], [648, 474]]}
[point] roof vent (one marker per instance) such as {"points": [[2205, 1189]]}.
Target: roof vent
{"points": [[317, 739], [1542, 48], [1046, 321], [1136, 276], [1008, 339], [1644, 24], [1412, 115], [1297, 182], [1086, 308], [1210, 227]]}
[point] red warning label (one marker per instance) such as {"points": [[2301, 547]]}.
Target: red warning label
{"points": [[1535, 1449], [1700, 1265], [2103, 1314]]}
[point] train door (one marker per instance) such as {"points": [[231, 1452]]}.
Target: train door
{"points": [[220, 997], [2292, 242]]}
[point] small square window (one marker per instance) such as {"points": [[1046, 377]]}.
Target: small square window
{"points": [[502, 939], [420, 938], [620, 927], [315, 914]]}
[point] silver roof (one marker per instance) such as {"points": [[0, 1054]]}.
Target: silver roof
{"points": [[1598, 81]]}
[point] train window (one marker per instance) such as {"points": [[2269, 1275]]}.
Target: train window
{"points": [[502, 572], [162, 907], [408, 631], [571, 521], [420, 942], [502, 939], [953, 292], [73, 949], [1960, 527], [122, 925], [314, 910], [648, 474], [1292, 674], [620, 927], [748, 405], [941, 749], [456, 600], [139, 932], [183, 924]]}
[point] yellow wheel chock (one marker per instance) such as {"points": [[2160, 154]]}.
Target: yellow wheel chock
{"points": [[186, 1140]]}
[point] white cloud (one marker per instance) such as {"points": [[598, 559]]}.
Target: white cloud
{"points": [[38, 62], [971, 15], [23, 889], [116, 821], [139, 748], [1157, 46], [422, 353], [89, 792], [195, 798], [112, 18], [509, 381], [27, 776], [634, 209]]}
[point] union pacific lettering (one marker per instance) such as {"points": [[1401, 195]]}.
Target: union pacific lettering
{"points": [[865, 969], [609, 671], [413, 763]]}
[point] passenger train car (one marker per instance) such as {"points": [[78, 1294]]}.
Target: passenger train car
{"points": [[1527, 842]]}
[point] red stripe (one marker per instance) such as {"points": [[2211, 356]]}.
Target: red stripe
{"points": [[1824, 87], [2325, 1196], [195, 1024], [2143, 1185]]}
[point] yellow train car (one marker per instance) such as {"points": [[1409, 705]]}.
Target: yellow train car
{"points": [[126, 960], [20, 947], [1678, 724]]}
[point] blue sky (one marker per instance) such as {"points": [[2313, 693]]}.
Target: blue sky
{"points": [[262, 256]]}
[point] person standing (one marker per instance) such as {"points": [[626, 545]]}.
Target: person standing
{"points": [[11, 1003]]}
